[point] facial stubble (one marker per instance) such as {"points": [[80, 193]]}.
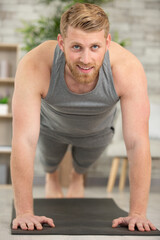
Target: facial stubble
{"points": [[81, 77]]}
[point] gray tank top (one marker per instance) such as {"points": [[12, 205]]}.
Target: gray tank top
{"points": [[78, 115]]}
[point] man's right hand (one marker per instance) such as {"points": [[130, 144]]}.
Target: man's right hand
{"points": [[29, 221]]}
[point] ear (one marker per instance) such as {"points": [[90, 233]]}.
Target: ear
{"points": [[108, 41], [60, 42]]}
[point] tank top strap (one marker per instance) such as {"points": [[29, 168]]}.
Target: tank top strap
{"points": [[58, 61]]}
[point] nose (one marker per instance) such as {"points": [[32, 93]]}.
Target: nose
{"points": [[85, 57]]}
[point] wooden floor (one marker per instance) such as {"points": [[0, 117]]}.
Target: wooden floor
{"points": [[122, 199]]}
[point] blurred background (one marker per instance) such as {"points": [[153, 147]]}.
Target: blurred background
{"points": [[134, 24]]}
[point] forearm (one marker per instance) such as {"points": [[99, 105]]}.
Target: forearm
{"points": [[22, 160], [139, 177]]}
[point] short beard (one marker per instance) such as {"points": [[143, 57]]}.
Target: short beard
{"points": [[83, 78]]}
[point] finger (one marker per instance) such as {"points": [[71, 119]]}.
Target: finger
{"points": [[38, 225], [114, 223], [146, 227], [23, 226], [140, 227], [49, 221], [131, 226], [117, 221], [15, 224], [30, 226], [152, 227]]}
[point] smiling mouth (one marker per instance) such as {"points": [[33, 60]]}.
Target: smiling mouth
{"points": [[85, 69]]}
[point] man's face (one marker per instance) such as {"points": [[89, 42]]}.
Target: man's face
{"points": [[84, 53]]}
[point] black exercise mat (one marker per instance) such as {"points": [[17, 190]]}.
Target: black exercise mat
{"points": [[82, 216]]}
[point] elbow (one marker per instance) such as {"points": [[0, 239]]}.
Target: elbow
{"points": [[24, 142], [130, 142], [138, 143]]}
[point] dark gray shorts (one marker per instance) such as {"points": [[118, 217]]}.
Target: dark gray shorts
{"points": [[85, 150]]}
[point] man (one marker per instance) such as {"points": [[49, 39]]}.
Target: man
{"points": [[72, 101]]}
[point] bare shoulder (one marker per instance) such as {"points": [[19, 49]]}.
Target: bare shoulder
{"points": [[40, 55], [127, 70], [37, 64]]}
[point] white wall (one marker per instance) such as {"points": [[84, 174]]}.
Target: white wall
{"points": [[133, 19]]}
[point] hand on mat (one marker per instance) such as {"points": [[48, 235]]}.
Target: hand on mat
{"points": [[142, 223], [30, 222]]}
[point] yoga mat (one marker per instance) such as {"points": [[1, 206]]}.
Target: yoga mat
{"points": [[80, 216]]}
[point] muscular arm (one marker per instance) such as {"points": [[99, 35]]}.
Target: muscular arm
{"points": [[135, 120], [26, 124], [135, 117]]}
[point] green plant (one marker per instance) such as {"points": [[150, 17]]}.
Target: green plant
{"points": [[123, 43], [39, 31], [4, 100], [47, 28]]}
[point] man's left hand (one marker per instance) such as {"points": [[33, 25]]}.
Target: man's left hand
{"points": [[142, 223]]}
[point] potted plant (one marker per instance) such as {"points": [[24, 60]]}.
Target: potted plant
{"points": [[4, 105]]}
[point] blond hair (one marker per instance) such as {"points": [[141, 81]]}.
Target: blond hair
{"points": [[85, 16]]}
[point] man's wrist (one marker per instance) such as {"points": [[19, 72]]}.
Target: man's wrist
{"points": [[137, 214], [20, 213]]}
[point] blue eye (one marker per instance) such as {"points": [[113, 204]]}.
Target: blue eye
{"points": [[77, 47], [95, 46]]}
